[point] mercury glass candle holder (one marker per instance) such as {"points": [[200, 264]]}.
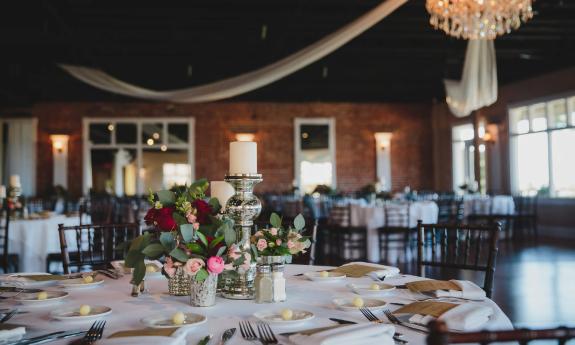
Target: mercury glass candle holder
{"points": [[243, 207]]}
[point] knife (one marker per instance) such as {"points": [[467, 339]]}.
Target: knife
{"points": [[228, 334], [49, 337], [205, 340]]}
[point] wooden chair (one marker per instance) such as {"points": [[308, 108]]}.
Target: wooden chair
{"points": [[439, 335], [343, 242], [459, 247], [450, 209], [396, 230], [101, 209], [95, 245], [525, 217], [7, 261]]}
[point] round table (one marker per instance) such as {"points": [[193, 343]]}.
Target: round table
{"points": [[302, 294]]}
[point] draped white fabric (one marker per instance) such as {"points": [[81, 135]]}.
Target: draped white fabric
{"points": [[21, 153], [478, 85], [245, 82]]}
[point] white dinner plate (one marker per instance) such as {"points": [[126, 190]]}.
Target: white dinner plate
{"points": [[119, 265], [371, 303], [79, 283], [366, 289], [21, 280], [333, 276], [73, 313], [275, 317], [31, 299], [165, 320]]}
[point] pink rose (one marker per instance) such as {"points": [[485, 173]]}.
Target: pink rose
{"points": [[274, 231], [258, 234], [233, 252], [262, 244], [169, 267], [193, 265], [191, 217], [215, 265], [196, 226], [278, 242], [247, 262], [290, 244]]}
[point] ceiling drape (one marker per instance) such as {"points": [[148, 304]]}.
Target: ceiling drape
{"points": [[246, 82]]}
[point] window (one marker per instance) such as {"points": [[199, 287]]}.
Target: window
{"points": [[314, 153], [463, 156], [542, 142], [131, 156]]}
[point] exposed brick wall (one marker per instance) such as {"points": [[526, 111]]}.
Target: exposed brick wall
{"points": [[215, 123]]}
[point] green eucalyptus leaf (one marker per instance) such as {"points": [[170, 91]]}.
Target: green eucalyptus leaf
{"points": [[216, 241], [229, 235], [215, 204], [140, 242], [208, 229], [179, 219], [167, 240], [188, 232], [154, 250], [275, 220], [166, 197], [221, 251], [133, 257], [299, 222], [202, 238], [288, 259], [196, 248], [179, 255], [254, 251], [139, 272], [201, 275]]}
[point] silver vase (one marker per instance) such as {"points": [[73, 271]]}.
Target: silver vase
{"points": [[271, 259], [243, 207], [179, 284], [203, 294]]}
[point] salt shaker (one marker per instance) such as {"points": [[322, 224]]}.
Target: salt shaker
{"points": [[279, 283], [263, 284]]}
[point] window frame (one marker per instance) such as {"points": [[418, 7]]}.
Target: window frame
{"points": [[547, 101], [88, 146]]}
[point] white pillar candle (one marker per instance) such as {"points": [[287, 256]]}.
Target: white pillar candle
{"points": [[243, 157], [2, 192], [222, 191], [15, 181]]}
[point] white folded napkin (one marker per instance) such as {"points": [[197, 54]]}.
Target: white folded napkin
{"points": [[383, 271], [465, 317], [468, 291], [353, 334], [11, 332]]}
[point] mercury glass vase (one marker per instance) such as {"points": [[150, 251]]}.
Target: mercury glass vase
{"points": [[271, 259], [179, 284], [203, 294]]}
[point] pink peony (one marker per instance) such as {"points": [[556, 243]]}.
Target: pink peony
{"points": [[193, 265], [278, 242], [191, 217], [259, 234], [274, 231], [262, 244], [169, 267], [215, 265]]}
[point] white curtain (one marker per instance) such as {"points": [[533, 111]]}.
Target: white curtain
{"points": [[21, 153], [244, 82], [478, 85]]}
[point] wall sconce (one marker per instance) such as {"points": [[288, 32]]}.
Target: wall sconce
{"points": [[59, 142], [383, 140], [490, 135], [245, 136]]}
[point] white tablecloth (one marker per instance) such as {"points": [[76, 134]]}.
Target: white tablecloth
{"points": [[485, 205], [373, 217], [302, 294], [33, 240]]}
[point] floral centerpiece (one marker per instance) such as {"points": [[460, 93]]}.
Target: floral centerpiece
{"points": [[279, 242], [188, 232]]}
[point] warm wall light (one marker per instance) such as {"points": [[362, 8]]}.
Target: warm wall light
{"points": [[245, 136], [490, 133], [383, 140], [59, 142]]}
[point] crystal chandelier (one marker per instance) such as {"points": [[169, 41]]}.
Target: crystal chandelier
{"points": [[478, 19]]}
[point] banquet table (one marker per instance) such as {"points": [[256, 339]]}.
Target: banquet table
{"points": [[373, 217], [34, 239], [302, 294], [486, 205]]}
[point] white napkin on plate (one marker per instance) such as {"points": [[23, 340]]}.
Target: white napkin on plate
{"points": [[469, 290], [464, 317], [11, 332], [363, 333], [383, 271]]}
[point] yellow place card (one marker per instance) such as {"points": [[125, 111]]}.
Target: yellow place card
{"points": [[147, 332], [432, 285], [435, 309], [356, 270]]}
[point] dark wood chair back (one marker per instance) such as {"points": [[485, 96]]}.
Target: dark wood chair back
{"points": [[450, 209], [461, 247], [4, 236], [95, 246], [439, 335], [101, 209]]}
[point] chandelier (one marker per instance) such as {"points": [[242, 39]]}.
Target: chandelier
{"points": [[478, 19]]}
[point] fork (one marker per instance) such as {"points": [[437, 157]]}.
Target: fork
{"points": [[247, 331], [371, 317], [393, 319], [266, 334], [94, 333], [9, 315]]}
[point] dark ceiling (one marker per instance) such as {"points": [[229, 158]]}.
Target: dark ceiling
{"points": [[167, 45]]}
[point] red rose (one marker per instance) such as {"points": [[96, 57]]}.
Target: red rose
{"points": [[161, 218], [204, 211]]}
